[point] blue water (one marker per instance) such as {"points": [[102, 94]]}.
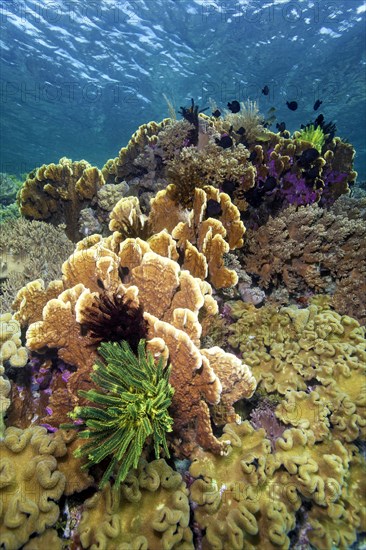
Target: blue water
{"points": [[78, 78]]}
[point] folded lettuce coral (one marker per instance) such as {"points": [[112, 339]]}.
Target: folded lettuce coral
{"points": [[202, 235], [99, 280], [290, 350], [149, 510], [30, 482]]}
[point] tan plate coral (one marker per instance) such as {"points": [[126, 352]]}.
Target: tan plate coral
{"points": [[103, 278]]}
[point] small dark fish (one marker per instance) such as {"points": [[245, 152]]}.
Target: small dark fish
{"points": [[265, 90], [241, 131], [269, 184], [271, 110], [317, 104], [234, 106], [213, 208], [225, 142], [228, 187], [253, 155], [281, 127], [216, 113], [308, 156], [292, 105], [319, 120], [254, 197]]}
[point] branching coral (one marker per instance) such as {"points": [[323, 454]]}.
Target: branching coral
{"points": [[311, 249], [29, 250], [58, 192], [131, 405], [149, 510], [30, 484]]}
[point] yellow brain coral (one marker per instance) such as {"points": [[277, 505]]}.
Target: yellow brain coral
{"points": [[30, 484], [150, 510]]}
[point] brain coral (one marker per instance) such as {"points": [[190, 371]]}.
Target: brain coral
{"points": [[149, 511], [30, 484]]}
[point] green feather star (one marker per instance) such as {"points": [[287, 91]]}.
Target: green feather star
{"points": [[315, 136], [131, 406]]}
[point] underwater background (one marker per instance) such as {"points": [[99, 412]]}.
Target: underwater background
{"points": [[81, 77], [183, 275]]}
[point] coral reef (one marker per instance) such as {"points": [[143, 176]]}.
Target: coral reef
{"points": [[259, 405], [310, 249], [149, 510], [57, 193]]}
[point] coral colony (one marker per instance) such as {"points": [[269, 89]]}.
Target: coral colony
{"points": [[183, 352]]}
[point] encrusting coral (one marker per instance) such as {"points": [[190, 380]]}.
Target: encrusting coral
{"points": [[149, 510], [58, 192]]}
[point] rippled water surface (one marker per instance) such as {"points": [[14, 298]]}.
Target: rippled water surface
{"points": [[78, 78]]}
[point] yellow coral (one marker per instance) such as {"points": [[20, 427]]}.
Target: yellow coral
{"points": [[288, 348], [149, 510], [30, 484], [43, 196], [245, 508], [11, 348]]}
